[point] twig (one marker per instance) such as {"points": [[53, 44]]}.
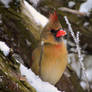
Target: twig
{"points": [[73, 11], [76, 40]]}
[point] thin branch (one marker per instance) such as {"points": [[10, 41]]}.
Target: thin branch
{"points": [[76, 40], [73, 11]]}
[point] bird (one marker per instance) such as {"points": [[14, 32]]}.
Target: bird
{"points": [[51, 58]]}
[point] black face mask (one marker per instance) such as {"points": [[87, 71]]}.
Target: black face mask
{"points": [[54, 32]]}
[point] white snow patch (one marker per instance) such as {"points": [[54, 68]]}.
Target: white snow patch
{"points": [[83, 85], [88, 65], [86, 24], [0, 21], [88, 61], [33, 13], [28, 42], [86, 7], [4, 48], [34, 2], [89, 74], [71, 4], [6, 3], [76, 66], [36, 82]]}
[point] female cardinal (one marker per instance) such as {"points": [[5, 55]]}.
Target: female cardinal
{"points": [[53, 60]]}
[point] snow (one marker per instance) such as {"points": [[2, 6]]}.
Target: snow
{"points": [[6, 3], [4, 48], [33, 13], [71, 4], [86, 6], [83, 85], [89, 74], [75, 64], [88, 61], [28, 42], [36, 82], [34, 2], [86, 24], [88, 65], [77, 68]]}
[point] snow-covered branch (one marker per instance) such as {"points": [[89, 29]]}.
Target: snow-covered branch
{"points": [[36, 82]]}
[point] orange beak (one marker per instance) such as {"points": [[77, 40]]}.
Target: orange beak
{"points": [[60, 33]]}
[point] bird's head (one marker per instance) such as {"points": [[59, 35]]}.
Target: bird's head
{"points": [[53, 31]]}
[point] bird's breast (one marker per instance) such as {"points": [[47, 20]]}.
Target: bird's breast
{"points": [[54, 61]]}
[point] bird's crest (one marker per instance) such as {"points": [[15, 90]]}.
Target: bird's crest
{"points": [[53, 17]]}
